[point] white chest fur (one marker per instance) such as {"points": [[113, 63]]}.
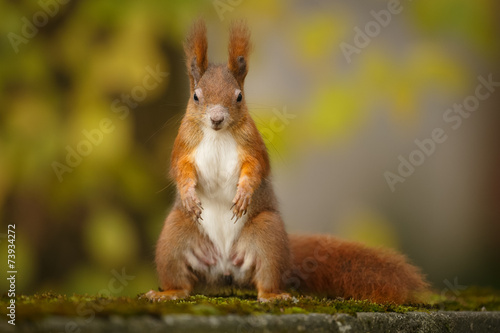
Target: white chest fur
{"points": [[218, 169]]}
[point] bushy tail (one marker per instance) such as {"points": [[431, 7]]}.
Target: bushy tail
{"points": [[327, 266]]}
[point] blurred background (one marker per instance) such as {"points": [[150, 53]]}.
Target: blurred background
{"points": [[92, 92]]}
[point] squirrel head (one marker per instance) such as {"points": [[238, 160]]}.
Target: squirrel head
{"points": [[217, 100]]}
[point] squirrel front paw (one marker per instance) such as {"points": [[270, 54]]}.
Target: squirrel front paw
{"points": [[241, 201], [192, 204]]}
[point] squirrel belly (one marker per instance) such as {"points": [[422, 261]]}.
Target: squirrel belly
{"points": [[218, 168]]}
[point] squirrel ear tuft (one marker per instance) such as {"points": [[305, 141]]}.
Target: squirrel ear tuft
{"points": [[239, 48], [195, 48]]}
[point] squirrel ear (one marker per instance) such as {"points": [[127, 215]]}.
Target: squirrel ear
{"points": [[195, 48], [239, 48]]}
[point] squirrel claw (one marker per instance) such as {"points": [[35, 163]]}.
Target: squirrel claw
{"points": [[241, 202], [198, 216], [192, 204]]}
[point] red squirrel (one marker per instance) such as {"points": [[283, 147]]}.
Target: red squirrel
{"points": [[225, 226]]}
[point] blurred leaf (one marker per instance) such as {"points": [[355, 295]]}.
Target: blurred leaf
{"points": [[318, 35], [111, 238], [337, 113], [370, 228], [470, 21]]}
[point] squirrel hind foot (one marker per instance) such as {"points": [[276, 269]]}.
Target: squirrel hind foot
{"points": [[158, 296], [268, 297]]}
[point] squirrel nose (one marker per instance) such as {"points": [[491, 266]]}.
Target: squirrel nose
{"points": [[217, 120], [217, 114]]}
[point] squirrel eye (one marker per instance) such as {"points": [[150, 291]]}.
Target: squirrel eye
{"points": [[195, 97], [239, 98]]}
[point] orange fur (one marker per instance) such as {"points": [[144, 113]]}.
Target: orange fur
{"points": [[239, 48], [255, 160], [176, 236], [196, 47], [181, 167], [255, 164], [272, 254]]}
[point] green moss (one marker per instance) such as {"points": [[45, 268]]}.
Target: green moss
{"points": [[472, 299], [245, 303]]}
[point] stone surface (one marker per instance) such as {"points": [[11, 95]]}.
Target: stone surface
{"points": [[343, 323]]}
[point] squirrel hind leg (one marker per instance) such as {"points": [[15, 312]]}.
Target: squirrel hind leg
{"points": [[264, 238], [173, 250]]}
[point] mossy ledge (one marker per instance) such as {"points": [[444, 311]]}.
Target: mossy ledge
{"points": [[42, 305]]}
